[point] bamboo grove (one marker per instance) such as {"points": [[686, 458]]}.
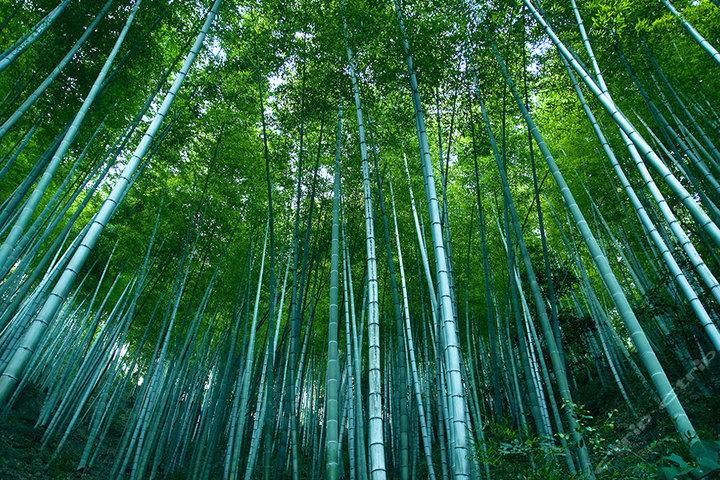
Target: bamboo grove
{"points": [[363, 240]]}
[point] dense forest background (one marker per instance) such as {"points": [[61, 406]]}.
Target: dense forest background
{"points": [[429, 239]]}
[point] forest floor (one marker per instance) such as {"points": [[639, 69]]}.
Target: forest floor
{"points": [[623, 445], [639, 443], [21, 456]]}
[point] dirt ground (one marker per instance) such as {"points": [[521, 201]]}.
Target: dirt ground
{"points": [[21, 457]]}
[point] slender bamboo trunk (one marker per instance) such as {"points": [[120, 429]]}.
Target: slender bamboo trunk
{"points": [[14, 370], [24, 42], [332, 388], [693, 33], [22, 109], [451, 347]]}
